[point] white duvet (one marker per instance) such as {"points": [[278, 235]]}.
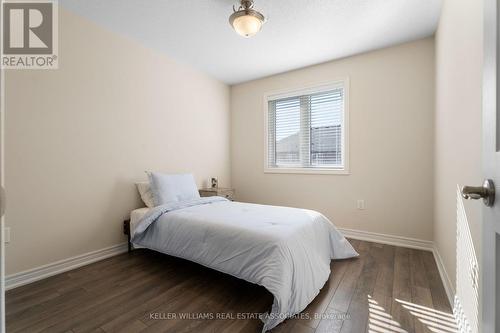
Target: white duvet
{"points": [[286, 250]]}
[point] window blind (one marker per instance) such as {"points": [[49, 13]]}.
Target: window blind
{"points": [[306, 131]]}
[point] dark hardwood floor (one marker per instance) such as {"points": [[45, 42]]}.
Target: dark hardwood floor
{"points": [[386, 289]]}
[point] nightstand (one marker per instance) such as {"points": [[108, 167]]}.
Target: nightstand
{"points": [[219, 191]]}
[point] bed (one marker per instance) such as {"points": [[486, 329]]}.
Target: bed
{"points": [[286, 250]]}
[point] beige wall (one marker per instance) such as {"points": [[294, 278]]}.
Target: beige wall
{"points": [[78, 137], [459, 55], [391, 143]]}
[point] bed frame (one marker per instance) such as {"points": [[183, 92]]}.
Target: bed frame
{"points": [[126, 231]]}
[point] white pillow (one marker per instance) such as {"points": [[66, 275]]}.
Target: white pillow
{"points": [[147, 197], [172, 188]]}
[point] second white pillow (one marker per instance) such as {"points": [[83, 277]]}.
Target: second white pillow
{"points": [[147, 197]]}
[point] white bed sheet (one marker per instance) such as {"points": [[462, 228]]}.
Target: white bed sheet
{"points": [[135, 217]]}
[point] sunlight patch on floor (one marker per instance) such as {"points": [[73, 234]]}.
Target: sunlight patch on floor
{"points": [[380, 321], [436, 321]]}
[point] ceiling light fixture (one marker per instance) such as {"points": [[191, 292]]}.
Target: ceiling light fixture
{"points": [[246, 21]]}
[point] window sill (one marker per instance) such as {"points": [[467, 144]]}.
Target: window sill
{"points": [[317, 171]]}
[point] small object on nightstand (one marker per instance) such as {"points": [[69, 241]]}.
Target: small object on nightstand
{"points": [[227, 193]]}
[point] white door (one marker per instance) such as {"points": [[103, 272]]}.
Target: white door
{"points": [[490, 252]]}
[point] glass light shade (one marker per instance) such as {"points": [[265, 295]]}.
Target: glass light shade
{"points": [[247, 25], [247, 22]]}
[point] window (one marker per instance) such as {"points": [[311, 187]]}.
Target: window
{"points": [[306, 130]]}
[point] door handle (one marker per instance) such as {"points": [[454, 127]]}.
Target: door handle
{"points": [[485, 192]]}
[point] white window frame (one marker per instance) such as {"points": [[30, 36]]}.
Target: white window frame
{"points": [[311, 89]]}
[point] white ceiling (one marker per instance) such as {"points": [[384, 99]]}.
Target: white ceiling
{"points": [[298, 33]]}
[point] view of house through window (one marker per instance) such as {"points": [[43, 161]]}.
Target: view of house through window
{"points": [[306, 130]]}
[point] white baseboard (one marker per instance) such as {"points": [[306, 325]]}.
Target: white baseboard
{"points": [[42, 272], [448, 286], [411, 243]]}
